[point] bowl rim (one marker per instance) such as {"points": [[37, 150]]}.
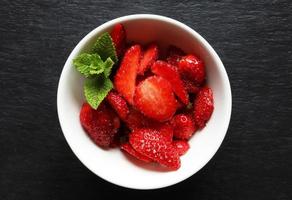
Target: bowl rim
{"points": [[226, 84]]}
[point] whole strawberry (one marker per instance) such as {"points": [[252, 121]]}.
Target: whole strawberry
{"points": [[203, 106], [192, 68], [101, 125], [183, 126]]}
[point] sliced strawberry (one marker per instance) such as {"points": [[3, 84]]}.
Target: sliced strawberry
{"points": [[129, 149], [174, 54], [190, 86], [119, 38], [155, 99], [136, 120], [181, 146], [125, 78], [155, 146], [101, 125], [118, 103], [192, 68], [163, 128], [149, 57], [170, 73], [203, 106], [166, 131], [183, 126]]}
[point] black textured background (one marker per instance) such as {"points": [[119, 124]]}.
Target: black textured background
{"points": [[253, 39]]}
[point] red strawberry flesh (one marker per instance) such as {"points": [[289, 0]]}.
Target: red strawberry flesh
{"points": [[171, 74], [125, 78], [155, 99], [149, 57], [119, 37]]}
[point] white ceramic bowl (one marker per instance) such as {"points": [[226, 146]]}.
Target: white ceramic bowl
{"points": [[112, 165]]}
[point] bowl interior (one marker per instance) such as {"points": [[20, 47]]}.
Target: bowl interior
{"points": [[114, 166]]}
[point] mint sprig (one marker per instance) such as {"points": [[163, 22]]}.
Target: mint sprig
{"points": [[108, 65], [89, 64], [105, 47], [96, 67], [96, 89]]}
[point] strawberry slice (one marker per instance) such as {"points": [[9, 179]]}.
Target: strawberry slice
{"points": [[118, 103], [203, 106], [181, 146], [164, 128], [174, 54], [129, 149], [119, 38], [155, 99], [101, 125], [192, 68], [166, 131], [136, 120], [125, 78], [155, 146], [170, 73], [183, 126], [149, 57]]}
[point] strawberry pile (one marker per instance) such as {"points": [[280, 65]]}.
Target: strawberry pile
{"points": [[156, 106]]}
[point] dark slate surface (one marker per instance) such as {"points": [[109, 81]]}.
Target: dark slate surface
{"points": [[252, 38]]}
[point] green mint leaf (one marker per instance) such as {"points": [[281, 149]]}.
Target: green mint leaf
{"points": [[96, 89], [108, 64], [89, 64], [96, 71], [105, 48], [96, 67]]}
